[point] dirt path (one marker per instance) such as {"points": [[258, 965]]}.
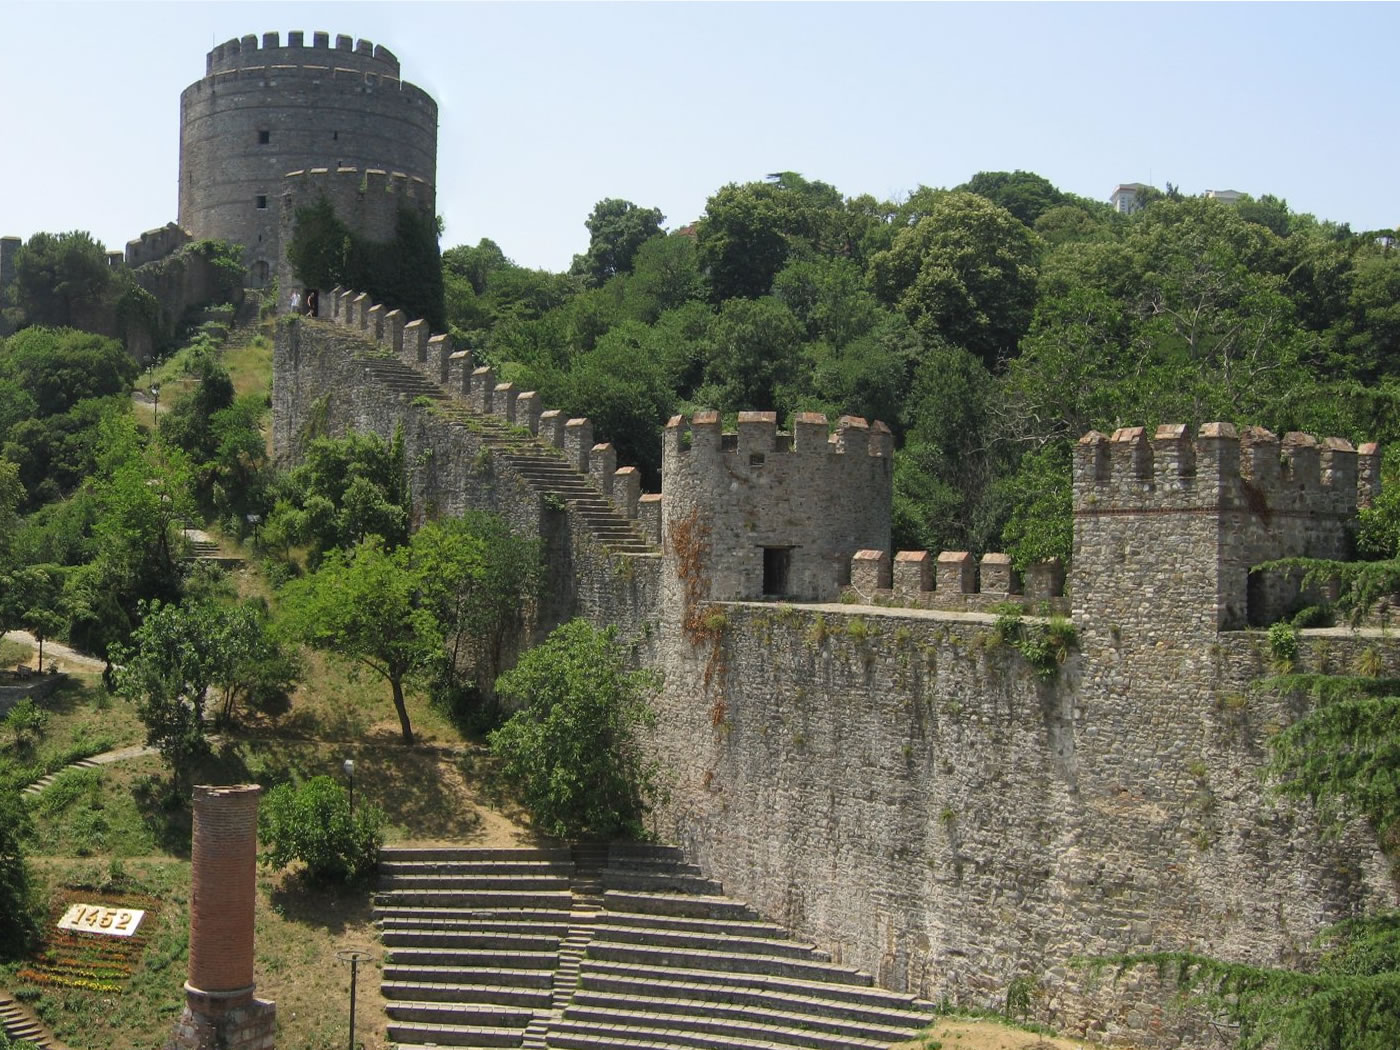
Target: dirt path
{"points": [[66, 658]]}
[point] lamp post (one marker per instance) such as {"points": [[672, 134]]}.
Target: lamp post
{"points": [[155, 412], [255, 520], [354, 956], [349, 767]]}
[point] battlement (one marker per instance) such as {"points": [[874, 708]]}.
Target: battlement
{"points": [[369, 181], [1223, 469], [785, 511], [155, 244], [953, 581], [1191, 518], [362, 55], [436, 358], [758, 437]]}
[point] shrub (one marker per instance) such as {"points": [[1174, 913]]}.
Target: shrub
{"points": [[1283, 644], [18, 901], [573, 749], [312, 823], [25, 722]]}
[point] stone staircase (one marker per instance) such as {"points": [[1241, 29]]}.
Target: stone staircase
{"points": [[38, 786], [543, 467], [24, 1028], [604, 947]]}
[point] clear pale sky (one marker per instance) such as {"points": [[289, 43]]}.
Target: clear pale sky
{"points": [[546, 108]]}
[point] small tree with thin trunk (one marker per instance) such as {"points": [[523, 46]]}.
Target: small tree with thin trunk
{"points": [[369, 605]]}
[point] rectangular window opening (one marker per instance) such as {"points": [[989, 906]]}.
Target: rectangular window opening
{"points": [[776, 562], [264, 137], [262, 200]]}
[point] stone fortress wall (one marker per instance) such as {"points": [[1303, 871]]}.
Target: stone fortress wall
{"points": [[264, 109], [899, 784], [368, 202]]}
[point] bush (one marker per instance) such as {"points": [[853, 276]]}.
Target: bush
{"points": [[312, 823], [26, 722], [573, 750], [18, 901]]}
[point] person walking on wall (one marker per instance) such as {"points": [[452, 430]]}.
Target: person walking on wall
{"points": [[313, 303], [296, 300]]}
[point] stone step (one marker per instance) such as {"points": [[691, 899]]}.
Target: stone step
{"points": [[786, 997], [611, 931], [697, 907], [661, 882], [469, 881], [729, 962], [506, 918], [857, 989], [714, 1030], [446, 974], [569, 1034], [518, 854], [751, 928], [482, 1015], [497, 939], [556, 925], [464, 958], [500, 994], [477, 899], [407, 1034], [504, 869]]}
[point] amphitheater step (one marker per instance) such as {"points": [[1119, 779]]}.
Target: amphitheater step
{"points": [[501, 976], [857, 990], [480, 939], [392, 915], [730, 962], [665, 997], [716, 1029], [661, 881], [442, 991], [481, 1015], [698, 907], [467, 957], [472, 881], [496, 899], [612, 931], [407, 1034], [475, 855], [572, 1034]]}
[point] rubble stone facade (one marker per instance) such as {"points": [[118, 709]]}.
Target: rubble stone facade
{"points": [[899, 784]]}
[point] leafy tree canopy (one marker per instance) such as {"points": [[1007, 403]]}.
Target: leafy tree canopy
{"points": [[573, 748], [616, 229]]}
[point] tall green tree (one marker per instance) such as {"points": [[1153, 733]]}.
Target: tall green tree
{"points": [[966, 273], [616, 230], [367, 604]]}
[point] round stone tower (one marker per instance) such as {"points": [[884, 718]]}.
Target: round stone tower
{"points": [[263, 111]]}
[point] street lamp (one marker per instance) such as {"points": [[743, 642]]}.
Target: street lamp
{"points": [[349, 767], [354, 956], [254, 520], [155, 393]]}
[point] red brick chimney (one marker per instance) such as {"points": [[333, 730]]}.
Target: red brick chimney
{"points": [[220, 1010]]}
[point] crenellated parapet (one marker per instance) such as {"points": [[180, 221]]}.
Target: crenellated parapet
{"points": [[1223, 469], [436, 359], [315, 104], [953, 581], [1169, 527], [784, 510], [346, 53]]}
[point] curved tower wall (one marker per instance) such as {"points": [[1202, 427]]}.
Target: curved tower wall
{"points": [[264, 109]]}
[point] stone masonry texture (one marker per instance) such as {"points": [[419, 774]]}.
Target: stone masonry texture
{"points": [[898, 784], [265, 108]]}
